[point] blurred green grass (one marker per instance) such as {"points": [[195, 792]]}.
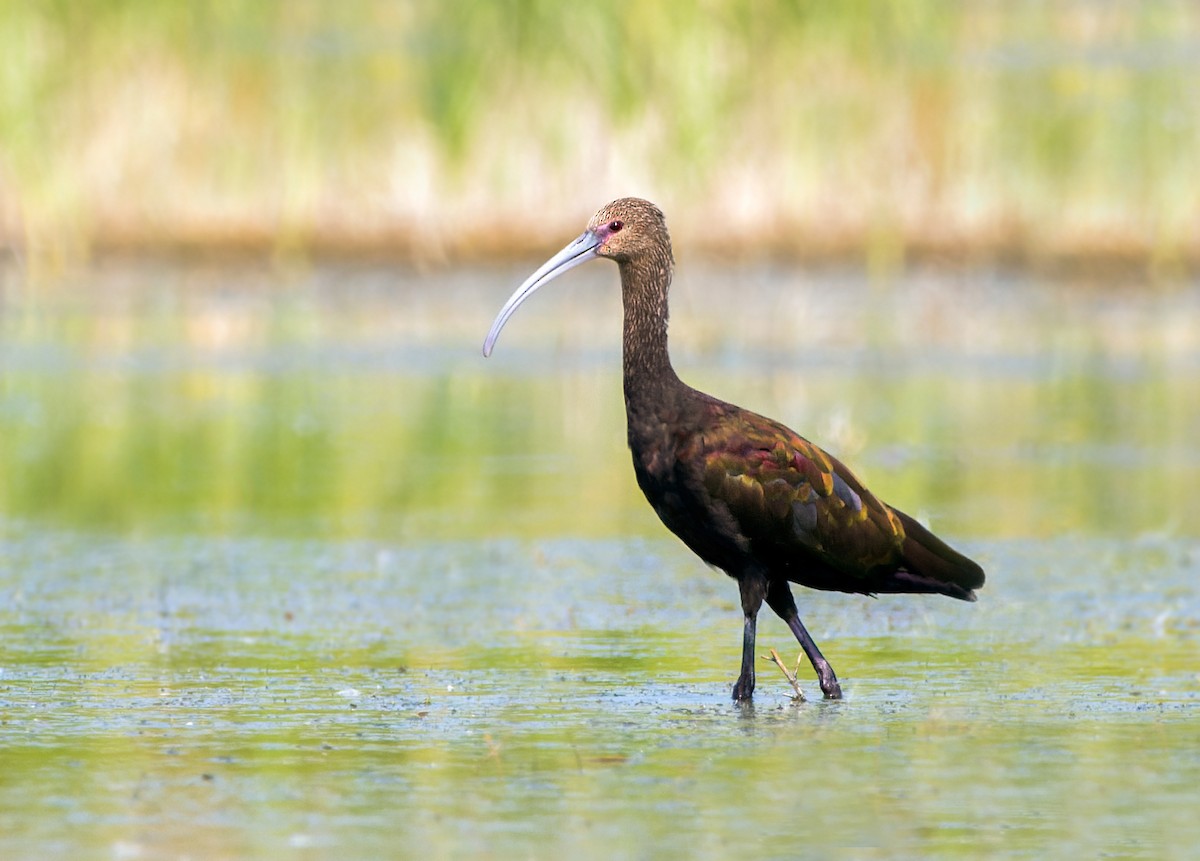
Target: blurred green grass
{"points": [[438, 130]]}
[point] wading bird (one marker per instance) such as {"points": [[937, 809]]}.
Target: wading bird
{"points": [[744, 492]]}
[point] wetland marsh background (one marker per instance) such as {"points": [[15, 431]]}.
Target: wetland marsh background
{"points": [[288, 570]]}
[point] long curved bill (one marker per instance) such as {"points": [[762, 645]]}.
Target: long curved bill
{"points": [[580, 251]]}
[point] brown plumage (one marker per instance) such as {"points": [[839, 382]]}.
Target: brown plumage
{"points": [[744, 492]]}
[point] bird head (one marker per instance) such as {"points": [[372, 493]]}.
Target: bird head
{"points": [[627, 227], [620, 231]]}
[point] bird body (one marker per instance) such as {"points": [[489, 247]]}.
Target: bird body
{"points": [[745, 493]]}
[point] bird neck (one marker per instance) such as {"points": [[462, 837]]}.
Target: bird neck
{"points": [[648, 372]]}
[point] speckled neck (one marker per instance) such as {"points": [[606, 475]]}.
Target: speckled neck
{"points": [[645, 282]]}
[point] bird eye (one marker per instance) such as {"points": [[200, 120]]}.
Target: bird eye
{"points": [[614, 226]]}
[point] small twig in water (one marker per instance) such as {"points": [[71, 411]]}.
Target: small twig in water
{"points": [[789, 675]]}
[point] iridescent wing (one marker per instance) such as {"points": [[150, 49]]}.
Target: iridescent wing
{"points": [[787, 494]]}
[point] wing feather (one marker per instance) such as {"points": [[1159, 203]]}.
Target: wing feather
{"points": [[789, 496]]}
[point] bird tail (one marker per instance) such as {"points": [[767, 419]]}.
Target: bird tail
{"points": [[931, 565]]}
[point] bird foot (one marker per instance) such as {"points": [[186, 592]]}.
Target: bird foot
{"points": [[743, 689], [831, 688]]}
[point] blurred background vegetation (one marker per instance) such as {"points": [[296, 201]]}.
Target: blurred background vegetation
{"points": [[433, 130]]}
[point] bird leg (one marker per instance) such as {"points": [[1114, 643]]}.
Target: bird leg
{"points": [[779, 598], [753, 587]]}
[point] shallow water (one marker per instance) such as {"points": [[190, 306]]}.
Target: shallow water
{"points": [[287, 569]]}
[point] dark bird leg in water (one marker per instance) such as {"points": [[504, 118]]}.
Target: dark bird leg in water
{"points": [[779, 598], [753, 587]]}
